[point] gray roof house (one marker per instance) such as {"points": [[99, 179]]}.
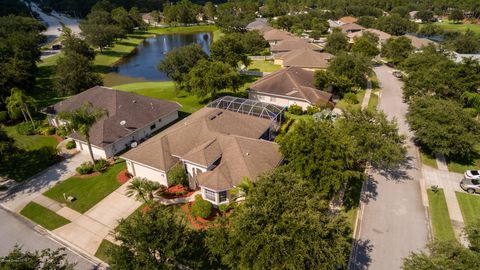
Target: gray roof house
{"points": [[131, 118]]}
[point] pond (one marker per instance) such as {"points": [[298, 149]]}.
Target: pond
{"points": [[142, 64]]}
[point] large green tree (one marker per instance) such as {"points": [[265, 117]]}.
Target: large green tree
{"points": [[99, 29], [365, 46], [178, 62], [336, 42], [234, 16], [456, 15], [20, 103], [397, 49], [81, 121], [395, 25], [157, 239], [442, 126], [354, 66], [286, 226], [38, 260], [209, 77], [229, 49]]}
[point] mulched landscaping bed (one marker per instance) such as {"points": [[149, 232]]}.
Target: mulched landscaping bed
{"points": [[177, 191], [123, 176], [57, 138], [198, 222]]}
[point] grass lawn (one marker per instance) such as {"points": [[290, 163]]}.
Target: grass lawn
{"points": [[460, 166], [88, 191], [43, 216], [32, 157], [428, 159], [470, 206], [263, 66], [373, 102], [460, 27], [103, 251], [442, 226], [342, 104]]}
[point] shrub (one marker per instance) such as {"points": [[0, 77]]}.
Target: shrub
{"points": [[3, 116], [295, 109], [201, 208], [100, 165], [47, 130], [62, 131], [70, 145], [311, 110], [351, 98], [177, 175], [26, 128], [85, 168]]}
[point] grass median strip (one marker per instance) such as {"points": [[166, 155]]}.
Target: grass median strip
{"points": [[43, 216], [103, 251], [470, 207], [87, 191], [442, 226]]}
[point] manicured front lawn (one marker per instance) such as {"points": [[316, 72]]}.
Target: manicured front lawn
{"points": [[442, 226], [88, 191], [373, 101], [343, 105], [470, 206], [103, 251], [428, 159], [460, 27], [32, 158], [43, 216], [263, 66]]}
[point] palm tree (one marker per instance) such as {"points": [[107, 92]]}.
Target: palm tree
{"points": [[243, 189], [19, 102], [142, 189], [82, 119]]}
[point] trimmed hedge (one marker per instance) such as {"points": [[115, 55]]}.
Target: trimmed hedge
{"points": [[201, 208], [70, 145]]}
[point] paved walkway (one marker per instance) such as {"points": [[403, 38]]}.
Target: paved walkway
{"points": [[368, 93], [441, 162], [21, 195]]}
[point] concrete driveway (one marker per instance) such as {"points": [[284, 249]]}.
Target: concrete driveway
{"points": [[393, 222], [88, 230]]}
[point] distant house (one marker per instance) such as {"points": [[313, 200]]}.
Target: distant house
{"points": [[351, 28], [274, 36], [304, 58], [293, 44], [218, 146], [382, 36], [418, 43], [131, 118], [347, 20], [333, 24], [289, 86], [260, 24], [148, 19], [459, 57]]}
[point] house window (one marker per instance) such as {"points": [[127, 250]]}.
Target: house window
{"points": [[273, 99], [222, 196], [210, 195], [152, 127]]}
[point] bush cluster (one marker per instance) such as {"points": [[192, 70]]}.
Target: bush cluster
{"points": [[201, 208], [26, 128], [351, 98], [70, 145], [85, 168], [295, 109], [3, 116], [177, 175], [62, 131], [100, 165]]}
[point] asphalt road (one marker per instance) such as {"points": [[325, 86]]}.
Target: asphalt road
{"points": [[394, 221], [15, 230]]}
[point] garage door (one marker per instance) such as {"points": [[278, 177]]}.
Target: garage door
{"points": [[97, 152], [150, 174]]}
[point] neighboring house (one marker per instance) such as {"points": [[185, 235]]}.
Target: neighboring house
{"points": [[351, 28], [274, 36], [148, 19], [260, 24], [131, 118], [218, 146], [289, 86], [382, 36], [304, 58], [347, 20], [333, 24], [418, 43], [293, 44], [459, 57]]}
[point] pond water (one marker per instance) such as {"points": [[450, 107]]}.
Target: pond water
{"points": [[142, 64]]}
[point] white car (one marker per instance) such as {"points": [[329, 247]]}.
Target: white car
{"points": [[472, 174]]}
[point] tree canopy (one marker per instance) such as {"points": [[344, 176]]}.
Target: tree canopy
{"points": [[397, 49], [365, 46], [336, 42], [209, 77], [354, 66], [38, 260], [396, 25], [229, 49], [178, 62]]}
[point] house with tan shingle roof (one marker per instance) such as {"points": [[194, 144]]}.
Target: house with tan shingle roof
{"points": [[382, 36], [289, 86], [348, 19], [351, 28], [274, 36], [418, 43], [293, 44], [217, 146], [131, 119], [304, 58]]}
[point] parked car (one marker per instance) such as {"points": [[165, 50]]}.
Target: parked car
{"points": [[472, 174], [397, 73], [470, 185]]}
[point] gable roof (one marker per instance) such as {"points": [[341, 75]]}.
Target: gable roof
{"points": [[258, 23], [348, 19], [306, 58], [276, 35], [293, 82], [382, 36], [293, 44], [351, 27], [419, 42], [136, 110], [209, 135]]}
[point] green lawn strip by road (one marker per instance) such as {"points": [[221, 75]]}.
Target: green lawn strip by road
{"points": [[103, 251], [461, 165], [460, 27], [342, 104], [31, 158], [442, 226], [263, 66], [373, 101], [428, 159], [88, 191], [470, 206], [43, 216]]}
